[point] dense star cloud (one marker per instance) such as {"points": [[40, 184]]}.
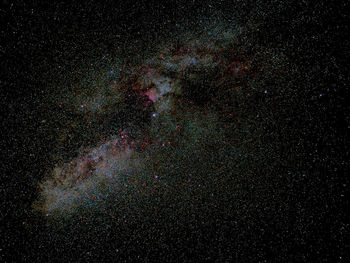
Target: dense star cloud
{"points": [[193, 93], [175, 131]]}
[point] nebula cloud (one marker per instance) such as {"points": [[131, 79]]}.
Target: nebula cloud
{"points": [[200, 134]]}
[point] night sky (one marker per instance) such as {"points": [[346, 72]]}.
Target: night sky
{"points": [[174, 131]]}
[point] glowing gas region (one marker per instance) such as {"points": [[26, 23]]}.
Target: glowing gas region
{"points": [[195, 133]]}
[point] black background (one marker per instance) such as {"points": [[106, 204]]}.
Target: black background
{"points": [[39, 36]]}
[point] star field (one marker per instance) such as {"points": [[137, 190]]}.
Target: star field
{"points": [[175, 131]]}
